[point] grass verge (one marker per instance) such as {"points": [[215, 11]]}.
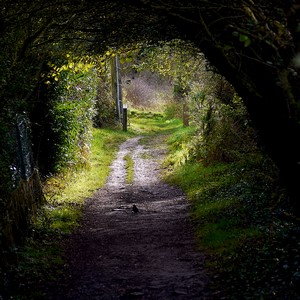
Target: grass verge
{"points": [[40, 257], [129, 168], [149, 123], [239, 213]]}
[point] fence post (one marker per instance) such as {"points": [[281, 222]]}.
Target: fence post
{"points": [[25, 159], [124, 118]]}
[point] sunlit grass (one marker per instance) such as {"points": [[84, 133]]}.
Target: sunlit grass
{"points": [[147, 123], [41, 255], [219, 194], [74, 186], [64, 219], [129, 168]]}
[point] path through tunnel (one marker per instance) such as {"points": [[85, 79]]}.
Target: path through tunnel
{"points": [[255, 46], [119, 253]]}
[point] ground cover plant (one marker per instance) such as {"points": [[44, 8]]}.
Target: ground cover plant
{"points": [[129, 168], [241, 215], [39, 257], [242, 222]]}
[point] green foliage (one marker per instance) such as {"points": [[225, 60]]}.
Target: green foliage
{"points": [[223, 134], [176, 60], [162, 74], [72, 112], [17, 82], [172, 111], [41, 255], [237, 210], [230, 135]]}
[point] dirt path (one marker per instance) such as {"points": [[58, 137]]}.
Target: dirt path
{"points": [[119, 254]]}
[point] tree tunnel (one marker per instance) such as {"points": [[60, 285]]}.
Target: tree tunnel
{"points": [[255, 46]]}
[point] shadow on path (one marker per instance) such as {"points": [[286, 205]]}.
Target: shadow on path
{"points": [[119, 254]]}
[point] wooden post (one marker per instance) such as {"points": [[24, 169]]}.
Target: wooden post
{"points": [[124, 118]]}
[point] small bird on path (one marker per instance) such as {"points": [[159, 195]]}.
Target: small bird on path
{"points": [[135, 209]]}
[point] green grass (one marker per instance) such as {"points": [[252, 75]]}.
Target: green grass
{"points": [[149, 123], [74, 186], [236, 209], [129, 168], [41, 254]]}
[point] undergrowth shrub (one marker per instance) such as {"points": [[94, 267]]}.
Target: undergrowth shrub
{"points": [[105, 106], [66, 129], [173, 110], [230, 136], [224, 132]]}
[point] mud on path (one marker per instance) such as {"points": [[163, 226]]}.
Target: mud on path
{"points": [[119, 254]]}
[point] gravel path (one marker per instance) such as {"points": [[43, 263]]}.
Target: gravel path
{"points": [[119, 254]]}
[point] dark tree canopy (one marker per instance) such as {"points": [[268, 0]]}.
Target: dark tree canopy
{"points": [[254, 44]]}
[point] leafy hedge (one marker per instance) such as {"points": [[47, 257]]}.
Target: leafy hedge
{"points": [[62, 133], [60, 110], [71, 113]]}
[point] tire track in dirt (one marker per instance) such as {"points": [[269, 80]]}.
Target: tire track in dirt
{"points": [[118, 254]]}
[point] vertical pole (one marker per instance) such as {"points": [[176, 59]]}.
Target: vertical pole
{"points": [[116, 86], [124, 118]]}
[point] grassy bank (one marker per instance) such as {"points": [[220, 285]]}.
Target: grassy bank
{"points": [[40, 256], [240, 217]]}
